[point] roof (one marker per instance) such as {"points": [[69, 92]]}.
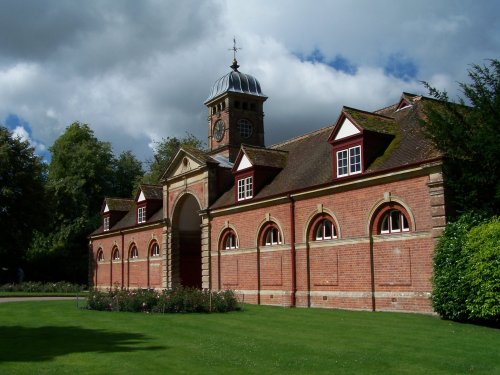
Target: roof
{"points": [[309, 157], [118, 204], [154, 192], [265, 157], [235, 81]]}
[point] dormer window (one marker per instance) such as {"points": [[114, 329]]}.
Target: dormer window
{"points": [[106, 223], [349, 161], [245, 188], [141, 215]]}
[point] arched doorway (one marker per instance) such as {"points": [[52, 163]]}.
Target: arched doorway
{"points": [[187, 249]]}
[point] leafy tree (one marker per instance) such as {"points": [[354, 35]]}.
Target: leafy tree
{"points": [[164, 151], [22, 203], [80, 174], [469, 137], [127, 174]]}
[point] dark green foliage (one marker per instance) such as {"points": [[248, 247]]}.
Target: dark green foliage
{"points": [[483, 271], [450, 285], [469, 137], [180, 300], [80, 176], [127, 174], [38, 287], [22, 198], [164, 151]]}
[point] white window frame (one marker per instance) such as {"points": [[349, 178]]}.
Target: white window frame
{"points": [[321, 230], [155, 251], [141, 214], [245, 188], [273, 236], [349, 161], [394, 221], [231, 241], [116, 254], [106, 224], [134, 253]]}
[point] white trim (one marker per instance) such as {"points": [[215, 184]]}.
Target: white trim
{"points": [[106, 209], [141, 198], [346, 130], [244, 163]]}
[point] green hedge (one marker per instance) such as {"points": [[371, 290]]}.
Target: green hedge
{"points": [[483, 271], [39, 287], [466, 278], [180, 300]]}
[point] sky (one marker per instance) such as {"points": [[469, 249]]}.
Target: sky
{"points": [[139, 71]]}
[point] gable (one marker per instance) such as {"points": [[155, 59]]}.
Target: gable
{"points": [[244, 163], [184, 165], [346, 130], [106, 209], [141, 198]]}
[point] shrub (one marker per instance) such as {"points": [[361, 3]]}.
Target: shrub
{"points": [[179, 300], [451, 287], [38, 287], [483, 271]]}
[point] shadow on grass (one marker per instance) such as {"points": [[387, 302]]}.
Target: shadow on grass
{"points": [[22, 344]]}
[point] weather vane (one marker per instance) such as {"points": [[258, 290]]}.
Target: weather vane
{"points": [[234, 49]]}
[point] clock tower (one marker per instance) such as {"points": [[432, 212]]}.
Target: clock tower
{"points": [[235, 113]]}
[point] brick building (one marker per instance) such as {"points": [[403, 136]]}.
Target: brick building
{"points": [[343, 217]]}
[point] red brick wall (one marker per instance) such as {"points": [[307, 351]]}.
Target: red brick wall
{"points": [[141, 272], [335, 273]]}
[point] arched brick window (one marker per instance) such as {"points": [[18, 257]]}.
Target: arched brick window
{"points": [[155, 250], [229, 240], [116, 254], [100, 255], [134, 253], [271, 235], [323, 228], [391, 219]]}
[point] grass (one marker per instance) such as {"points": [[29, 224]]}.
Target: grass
{"points": [[43, 294], [57, 338]]}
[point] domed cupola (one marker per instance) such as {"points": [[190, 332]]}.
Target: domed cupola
{"points": [[235, 81], [235, 113]]}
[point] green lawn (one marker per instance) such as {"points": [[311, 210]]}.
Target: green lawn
{"points": [[57, 338]]}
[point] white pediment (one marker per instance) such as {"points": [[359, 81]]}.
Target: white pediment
{"points": [[141, 198], [346, 130], [244, 163], [183, 165], [106, 209]]}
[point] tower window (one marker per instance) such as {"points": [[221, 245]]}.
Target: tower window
{"points": [[245, 128], [236, 104], [245, 105], [252, 106]]}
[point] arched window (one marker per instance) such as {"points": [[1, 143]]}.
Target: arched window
{"points": [[134, 253], [393, 221], [229, 240], [272, 235], [325, 230], [100, 255], [155, 250], [116, 254]]}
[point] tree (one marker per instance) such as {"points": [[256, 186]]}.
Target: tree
{"points": [[164, 151], [80, 174], [22, 199], [128, 172], [469, 137]]}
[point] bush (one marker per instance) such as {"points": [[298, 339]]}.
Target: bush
{"points": [[451, 287], [483, 271], [179, 300], [38, 287]]}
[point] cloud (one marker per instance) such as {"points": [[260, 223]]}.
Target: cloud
{"points": [[22, 130], [140, 71]]}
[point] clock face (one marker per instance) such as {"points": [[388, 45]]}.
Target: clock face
{"points": [[219, 130]]}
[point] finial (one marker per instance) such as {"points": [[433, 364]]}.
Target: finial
{"points": [[235, 49]]}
